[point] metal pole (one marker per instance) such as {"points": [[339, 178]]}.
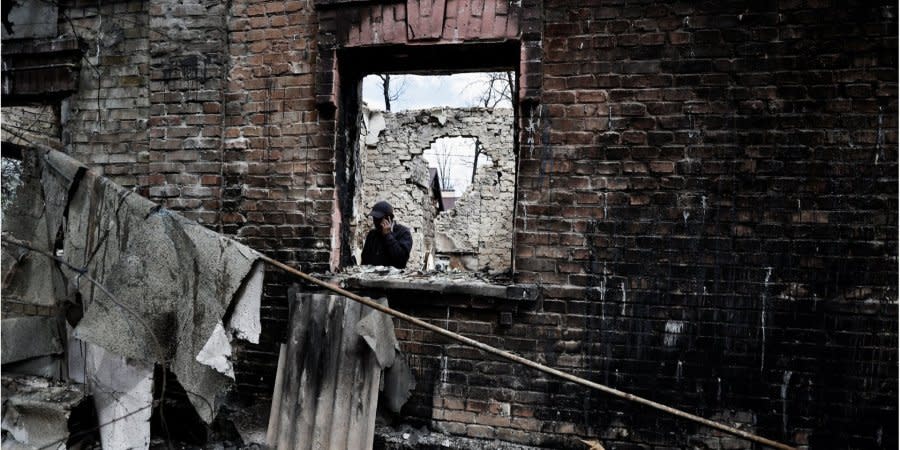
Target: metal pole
{"points": [[518, 359]]}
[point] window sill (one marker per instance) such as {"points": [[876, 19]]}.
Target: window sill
{"points": [[452, 284]]}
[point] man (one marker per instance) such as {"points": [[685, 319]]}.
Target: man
{"points": [[389, 243]]}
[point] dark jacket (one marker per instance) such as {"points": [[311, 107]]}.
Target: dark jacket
{"points": [[387, 250]]}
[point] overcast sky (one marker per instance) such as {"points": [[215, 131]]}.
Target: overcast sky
{"points": [[459, 90], [420, 92]]}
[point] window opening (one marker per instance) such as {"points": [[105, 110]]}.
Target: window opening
{"points": [[445, 162]]}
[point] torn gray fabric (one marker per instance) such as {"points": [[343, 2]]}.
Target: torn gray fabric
{"points": [[35, 217], [60, 172], [377, 329], [245, 322], [29, 337], [173, 280], [175, 277], [398, 383]]}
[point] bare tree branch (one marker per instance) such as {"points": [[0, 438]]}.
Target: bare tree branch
{"points": [[443, 156], [496, 88], [391, 94]]}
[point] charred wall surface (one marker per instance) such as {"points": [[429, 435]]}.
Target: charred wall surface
{"points": [[105, 122], [207, 108], [707, 195], [28, 125], [711, 188]]}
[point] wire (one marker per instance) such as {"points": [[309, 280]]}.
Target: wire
{"points": [[163, 362], [526, 362]]}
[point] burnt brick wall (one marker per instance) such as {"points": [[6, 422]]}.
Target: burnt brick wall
{"points": [[188, 54], [278, 171], [208, 108], [707, 195], [104, 124], [710, 202]]}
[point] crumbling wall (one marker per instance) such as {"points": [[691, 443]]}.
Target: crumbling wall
{"points": [[392, 168], [477, 233]]}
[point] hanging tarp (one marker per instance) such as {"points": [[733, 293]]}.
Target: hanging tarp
{"points": [[179, 293]]}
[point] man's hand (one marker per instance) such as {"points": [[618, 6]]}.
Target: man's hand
{"points": [[386, 225]]}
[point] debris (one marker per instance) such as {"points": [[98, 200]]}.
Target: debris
{"points": [[593, 444], [36, 411], [35, 216], [42, 366], [444, 283], [399, 383], [249, 421], [329, 386], [216, 353], [377, 330], [406, 437], [177, 292]]}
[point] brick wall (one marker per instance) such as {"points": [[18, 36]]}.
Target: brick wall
{"points": [[188, 51], [105, 123], [278, 172], [711, 203], [707, 194], [208, 108]]}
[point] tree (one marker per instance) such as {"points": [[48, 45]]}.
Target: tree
{"points": [[496, 87], [442, 156], [389, 94]]}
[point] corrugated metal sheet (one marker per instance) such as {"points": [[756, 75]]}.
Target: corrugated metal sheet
{"points": [[330, 378]]}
